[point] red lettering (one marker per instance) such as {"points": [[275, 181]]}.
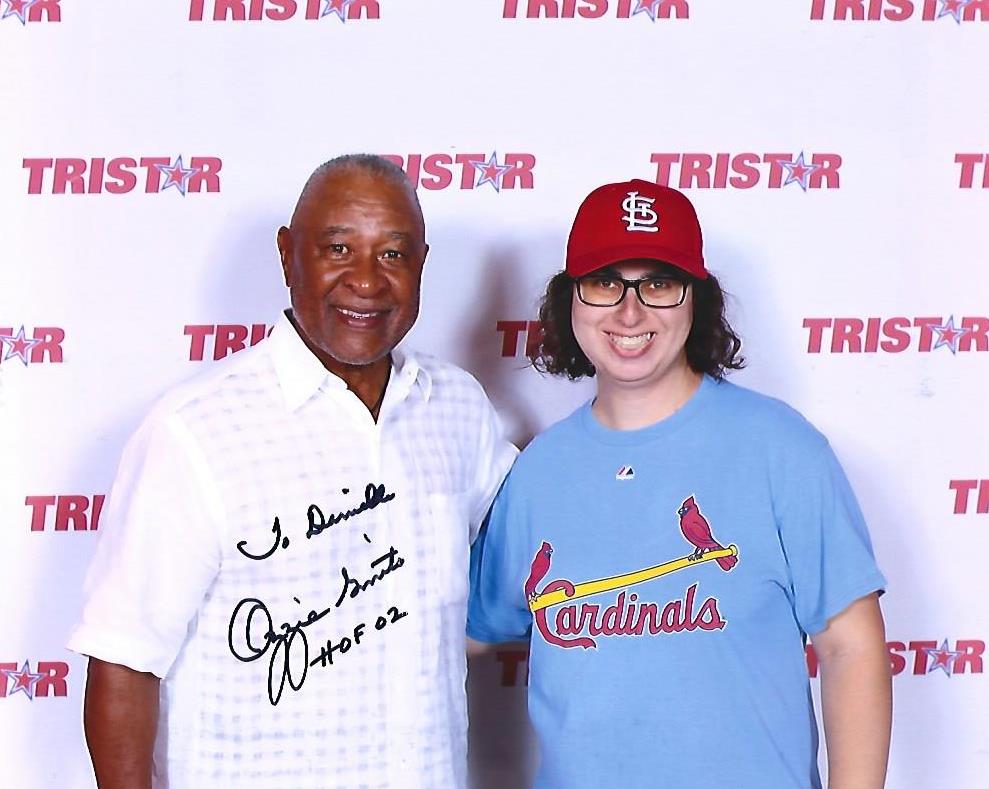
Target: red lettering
{"points": [[68, 173], [198, 345], [95, 185], [94, 519], [39, 510], [982, 6], [817, 327], [664, 163], [437, 165], [534, 336], [51, 9], [71, 508], [4, 682], [511, 660], [467, 169], [902, 9], [896, 661], [366, 8], [971, 659], [967, 162], [123, 180], [962, 487], [775, 168], [230, 338], [510, 341], [976, 333], [899, 338], [926, 332], [207, 173], [152, 181], [844, 7], [847, 332], [36, 174], [827, 172], [920, 656], [54, 682], [522, 165], [748, 173], [694, 167], [196, 10], [50, 339], [234, 7]]}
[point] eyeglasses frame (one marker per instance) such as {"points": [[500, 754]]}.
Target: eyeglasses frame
{"points": [[634, 285]]}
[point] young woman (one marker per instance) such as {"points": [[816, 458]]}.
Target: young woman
{"points": [[669, 547]]}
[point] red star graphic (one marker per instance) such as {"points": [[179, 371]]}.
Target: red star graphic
{"points": [[338, 7], [19, 344], [954, 6], [17, 8], [176, 175], [24, 680]]}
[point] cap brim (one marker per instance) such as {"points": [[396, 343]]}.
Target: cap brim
{"points": [[589, 262]]}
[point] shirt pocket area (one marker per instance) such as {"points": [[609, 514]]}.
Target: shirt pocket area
{"points": [[449, 527]]}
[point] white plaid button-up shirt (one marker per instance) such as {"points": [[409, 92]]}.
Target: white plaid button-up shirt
{"points": [[297, 573]]}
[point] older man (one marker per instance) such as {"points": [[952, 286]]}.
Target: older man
{"points": [[278, 599]]}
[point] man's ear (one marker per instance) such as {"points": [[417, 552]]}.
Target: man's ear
{"points": [[284, 243]]}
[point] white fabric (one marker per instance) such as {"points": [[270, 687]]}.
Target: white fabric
{"points": [[264, 436]]}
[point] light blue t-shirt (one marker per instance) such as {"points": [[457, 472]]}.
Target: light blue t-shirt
{"points": [[673, 573]]}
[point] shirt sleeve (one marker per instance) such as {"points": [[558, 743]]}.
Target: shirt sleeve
{"points": [[497, 610], [494, 458], [158, 553], [825, 541]]}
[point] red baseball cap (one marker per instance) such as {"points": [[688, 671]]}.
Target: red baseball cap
{"points": [[635, 220]]}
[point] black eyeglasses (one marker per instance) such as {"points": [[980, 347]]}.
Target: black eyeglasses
{"points": [[606, 291]]}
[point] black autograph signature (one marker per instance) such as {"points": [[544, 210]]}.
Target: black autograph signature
{"points": [[374, 496], [252, 634]]}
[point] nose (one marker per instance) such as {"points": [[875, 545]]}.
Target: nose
{"points": [[629, 310], [363, 276]]}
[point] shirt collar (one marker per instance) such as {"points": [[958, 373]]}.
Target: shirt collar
{"points": [[300, 374]]}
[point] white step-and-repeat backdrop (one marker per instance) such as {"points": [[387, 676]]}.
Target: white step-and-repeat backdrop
{"points": [[838, 154]]}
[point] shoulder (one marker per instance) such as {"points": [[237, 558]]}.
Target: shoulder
{"points": [[450, 384], [542, 455], [763, 418], [240, 378]]}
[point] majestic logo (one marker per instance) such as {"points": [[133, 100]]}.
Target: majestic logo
{"points": [[228, 338], [963, 489], [746, 170], [120, 175], [44, 344], [511, 331], [72, 512], [48, 680], [437, 171], [25, 11], [595, 9], [625, 472], [968, 163], [281, 10], [577, 626], [895, 335], [898, 10], [639, 215]]}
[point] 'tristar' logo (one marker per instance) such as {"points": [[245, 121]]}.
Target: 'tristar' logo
{"points": [[338, 7], [24, 680], [798, 171], [19, 345], [948, 336], [491, 172], [942, 658], [953, 8]]}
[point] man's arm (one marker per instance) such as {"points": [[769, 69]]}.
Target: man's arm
{"points": [[856, 695], [121, 718]]}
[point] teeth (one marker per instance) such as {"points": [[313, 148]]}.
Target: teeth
{"points": [[631, 343], [352, 314]]}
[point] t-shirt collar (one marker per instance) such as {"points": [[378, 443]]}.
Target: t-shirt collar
{"points": [[300, 374]]}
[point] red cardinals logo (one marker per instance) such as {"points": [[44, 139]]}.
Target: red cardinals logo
{"points": [[576, 626], [697, 531]]}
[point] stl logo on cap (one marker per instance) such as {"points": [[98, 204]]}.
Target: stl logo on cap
{"points": [[639, 214]]}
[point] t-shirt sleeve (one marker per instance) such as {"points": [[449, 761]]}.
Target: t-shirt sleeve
{"points": [[495, 456], [497, 610], [826, 542], [158, 553]]}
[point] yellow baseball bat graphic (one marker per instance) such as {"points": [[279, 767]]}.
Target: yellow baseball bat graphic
{"points": [[628, 579]]}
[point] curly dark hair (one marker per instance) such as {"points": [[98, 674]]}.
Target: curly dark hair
{"points": [[712, 345]]}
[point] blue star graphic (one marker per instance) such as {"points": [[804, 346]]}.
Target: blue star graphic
{"points": [[953, 8], [24, 680], [17, 8], [798, 171], [176, 175], [646, 6], [944, 658], [491, 172], [19, 345], [948, 335], [338, 7]]}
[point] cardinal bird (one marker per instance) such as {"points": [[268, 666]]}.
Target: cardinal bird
{"points": [[698, 532], [540, 566]]}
